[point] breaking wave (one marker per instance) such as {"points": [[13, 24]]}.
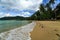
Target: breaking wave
{"points": [[21, 33]]}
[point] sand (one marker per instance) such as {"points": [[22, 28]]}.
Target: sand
{"points": [[46, 30], [42, 30]]}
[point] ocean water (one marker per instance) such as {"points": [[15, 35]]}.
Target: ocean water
{"points": [[18, 33], [6, 25]]}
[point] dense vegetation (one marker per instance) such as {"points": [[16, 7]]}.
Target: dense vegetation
{"points": [[46, 12]]}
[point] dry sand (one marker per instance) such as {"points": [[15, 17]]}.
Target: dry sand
{"points": [[46, 30]]}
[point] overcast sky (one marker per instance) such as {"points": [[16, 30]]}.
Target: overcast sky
{"points": [[20, 7]]}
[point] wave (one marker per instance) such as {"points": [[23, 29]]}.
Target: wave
{"points": [[21, 33]]}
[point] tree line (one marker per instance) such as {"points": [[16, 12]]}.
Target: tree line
{"points": [[46, 12]]}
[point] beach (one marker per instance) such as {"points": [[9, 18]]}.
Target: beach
{"points": [[37, 30], [46, 30]]}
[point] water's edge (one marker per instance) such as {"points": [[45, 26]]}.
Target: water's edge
{"points": [[21, 33], [7, 25]]}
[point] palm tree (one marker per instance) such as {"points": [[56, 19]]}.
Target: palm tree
{"points": [[45, 11], [57, 11], [51, 2], [42, 11]]}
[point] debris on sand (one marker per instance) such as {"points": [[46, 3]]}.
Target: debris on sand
{"points": [[42, 26], [58, 35], [56, 30]]}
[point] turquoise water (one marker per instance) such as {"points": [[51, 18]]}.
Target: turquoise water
{"points": [[10, 24]]}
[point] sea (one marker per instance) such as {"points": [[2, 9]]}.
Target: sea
{"points": [[16, 29], [10, 24]]}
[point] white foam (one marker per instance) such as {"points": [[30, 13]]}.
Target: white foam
{"points": [[21, 33]]}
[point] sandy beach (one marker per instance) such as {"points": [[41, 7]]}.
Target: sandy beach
{"points": [[37, 30], [46, 30]]}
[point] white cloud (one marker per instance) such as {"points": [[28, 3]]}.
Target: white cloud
{"points": [[24, 14], [29, 4], [20, 5], [4, 14], [26, 4], [7, 14]]}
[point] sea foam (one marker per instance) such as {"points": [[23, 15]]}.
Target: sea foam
{"points": [[21, 33]]}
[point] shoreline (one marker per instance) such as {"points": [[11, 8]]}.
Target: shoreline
{"points": [[21, 33]]}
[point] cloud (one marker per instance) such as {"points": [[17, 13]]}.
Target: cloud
{"points": [[7, 14], [28, 4], [24, 14], [20, 5]]}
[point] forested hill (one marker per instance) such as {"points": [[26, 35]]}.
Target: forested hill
{"points": [[12, 18]]}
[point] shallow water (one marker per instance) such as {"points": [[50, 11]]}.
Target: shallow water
{"points": [[21, 33], [10, 24]]}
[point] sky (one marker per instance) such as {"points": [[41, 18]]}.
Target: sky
{"points": [[24, 8]]}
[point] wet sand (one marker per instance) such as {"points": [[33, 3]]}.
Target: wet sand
{"points": [[46, 30]]}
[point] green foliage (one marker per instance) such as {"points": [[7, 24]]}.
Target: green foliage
{"points": [[36, 16], [45, 12], [57, 11]]}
